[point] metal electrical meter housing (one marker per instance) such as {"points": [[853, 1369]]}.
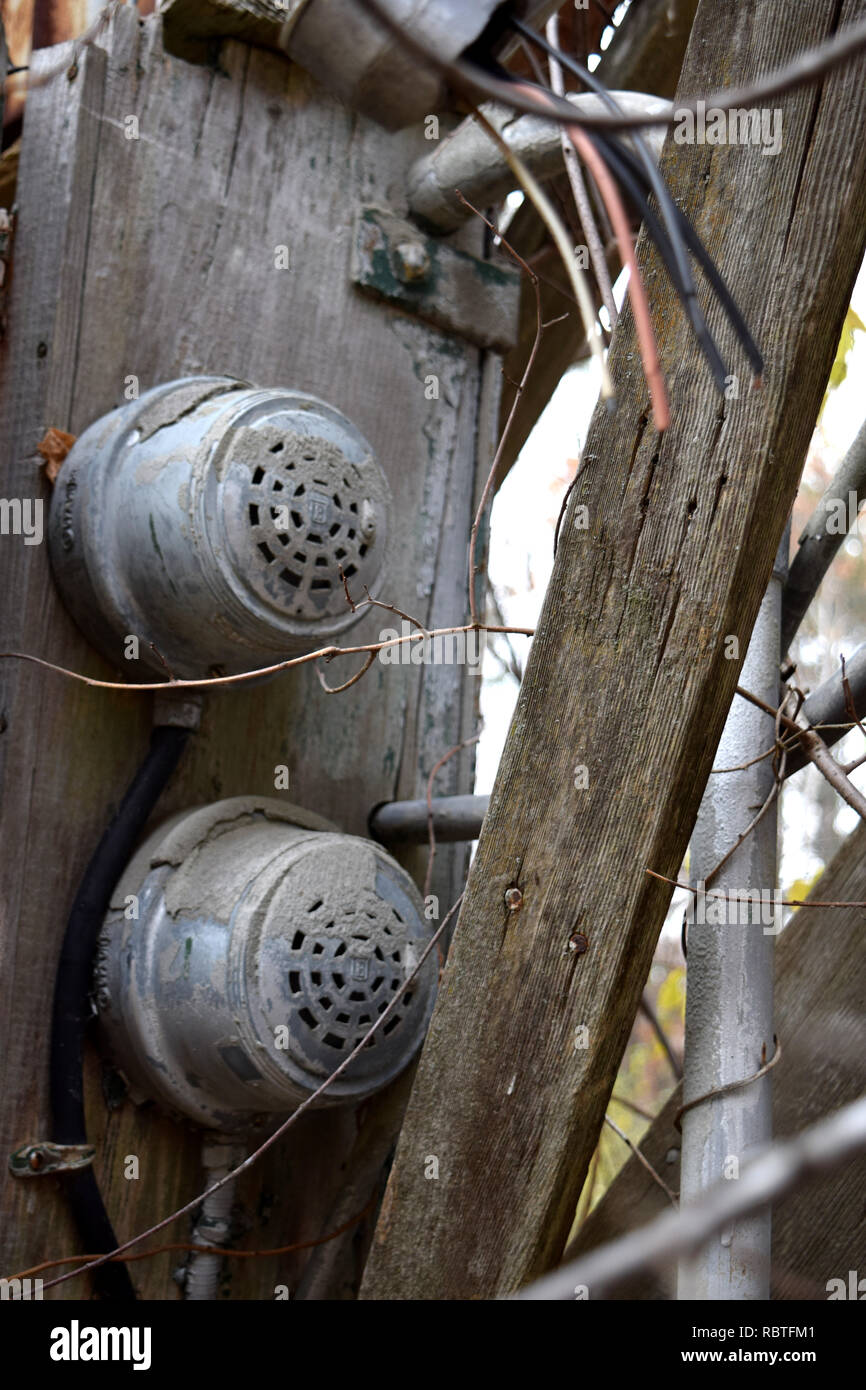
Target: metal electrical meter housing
{"points": [[265, 945], [217, 520]]}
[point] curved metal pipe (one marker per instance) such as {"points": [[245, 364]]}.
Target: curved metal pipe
{"points": [[467, 159]]}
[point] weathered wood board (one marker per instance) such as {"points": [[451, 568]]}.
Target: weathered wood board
{"points": [[819, 1230], [154, 257], [627, 687]]}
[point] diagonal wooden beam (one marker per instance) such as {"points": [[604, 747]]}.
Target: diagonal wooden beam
{"points": [[630, 679]]}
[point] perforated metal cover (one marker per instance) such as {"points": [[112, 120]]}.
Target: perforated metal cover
{"points": [[299, 516], [344, 930], [217, 521], [263, 952]]}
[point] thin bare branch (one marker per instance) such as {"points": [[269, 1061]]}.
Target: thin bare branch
{"points": [[322, 653], [431, 833], [643, 1160], [778, 1170]]}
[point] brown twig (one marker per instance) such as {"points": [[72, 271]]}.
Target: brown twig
{"points": [[643, 1160], [431, 833], [816, 749], [722, 896], [652, 1018], [633, 1106], [159, 656], [179, 1246], [568, 491], [731, 1085], [322, 653], [850, 708], [512, 666], [378, 603], [353, 680], [817, 752]]}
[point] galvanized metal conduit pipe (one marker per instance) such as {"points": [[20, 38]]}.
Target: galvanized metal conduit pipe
{"points": [[729, 999], [358, 59], [213, 1227], [405, 822], [459, 817], [468, 159]]}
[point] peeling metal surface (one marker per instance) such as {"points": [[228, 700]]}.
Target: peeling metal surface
{"points": [[261, 953], [216, 521]]}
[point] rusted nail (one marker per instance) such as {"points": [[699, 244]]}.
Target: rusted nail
{"points": [[413, 261], [578, 943], [513, 899]]}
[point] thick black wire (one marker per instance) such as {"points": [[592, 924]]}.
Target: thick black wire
{"points": [[705, 260], [616, 154], [632, 189], [705, 338], [466, 77], [656, 182], [71, 1009]]}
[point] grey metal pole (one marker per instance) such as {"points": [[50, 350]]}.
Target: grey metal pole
{"points": [[468, 160], [729, 1000], [455, 818]]}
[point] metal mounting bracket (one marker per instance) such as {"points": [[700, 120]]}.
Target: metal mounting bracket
{"points": [[474, 299], [35, 1160]]}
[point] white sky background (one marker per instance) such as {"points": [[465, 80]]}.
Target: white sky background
{"points": [[522, 523]]}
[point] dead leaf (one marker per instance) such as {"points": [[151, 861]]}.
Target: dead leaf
{"points": [[54, 448]]}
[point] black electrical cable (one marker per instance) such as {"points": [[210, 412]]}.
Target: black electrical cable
{"points": [[683, 279], [71, 1009], [628, 179], [469, 78], [657, 183], [672, 249], [705, 260], [706, 341], [629, 183]]}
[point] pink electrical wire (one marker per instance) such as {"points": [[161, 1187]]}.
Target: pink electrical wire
{"points": [[639, 303]]}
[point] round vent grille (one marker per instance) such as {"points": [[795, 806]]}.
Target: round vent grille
{"points": [[345, 973], [312, 516], [266, 947], [340, 936], [219, 524]]}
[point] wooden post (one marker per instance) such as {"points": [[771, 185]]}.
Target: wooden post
{"points": [[149, 258], [626, 691]]}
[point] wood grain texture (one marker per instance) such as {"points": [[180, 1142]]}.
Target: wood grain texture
{"points": [[155, 257], [819, 1232], [627, 676]]}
